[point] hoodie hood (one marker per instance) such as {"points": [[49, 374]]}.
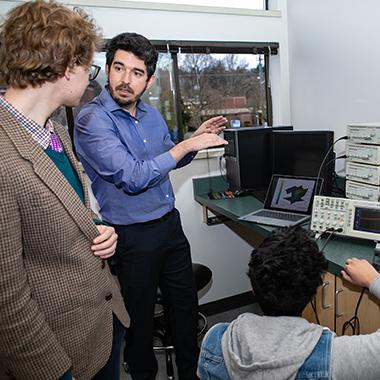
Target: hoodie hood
{"points": [[262, 347]]}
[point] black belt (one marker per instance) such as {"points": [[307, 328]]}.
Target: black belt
{"points": [[158, 220]]}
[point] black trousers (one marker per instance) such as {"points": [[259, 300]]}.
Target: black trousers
{"points": [[148, 256]]}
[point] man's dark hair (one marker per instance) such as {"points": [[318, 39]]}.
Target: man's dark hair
{"points": [[285, 272], [136, 44]]}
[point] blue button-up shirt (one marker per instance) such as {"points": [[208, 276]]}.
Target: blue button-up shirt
{"points": [[127, 159]]}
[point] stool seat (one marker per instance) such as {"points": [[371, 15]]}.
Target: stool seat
{"points": [[202, 275]]}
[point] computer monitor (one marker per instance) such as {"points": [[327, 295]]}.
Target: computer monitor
{"points": [[301, 153], [249, 157]]}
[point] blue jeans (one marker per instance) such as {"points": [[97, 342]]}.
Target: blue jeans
{"points": [[211, 364], [317, 364], [112, 368]]}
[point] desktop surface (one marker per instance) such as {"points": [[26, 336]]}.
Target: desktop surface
{"points": [[337, 250]]}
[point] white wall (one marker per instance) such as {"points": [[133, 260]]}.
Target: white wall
{"points": [[218, 247], [334, 60]]}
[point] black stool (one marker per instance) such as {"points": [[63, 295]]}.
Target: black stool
{"points": [[161, 336]]}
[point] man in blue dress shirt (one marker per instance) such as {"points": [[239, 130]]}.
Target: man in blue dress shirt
{"points": [[125, 147]]}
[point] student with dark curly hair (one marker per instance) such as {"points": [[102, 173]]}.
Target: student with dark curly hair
{"points": [[61, 311], [285, 272], [287, 258]]}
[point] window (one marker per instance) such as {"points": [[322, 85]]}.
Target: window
{"points": [[199, 80], [232, 85]]}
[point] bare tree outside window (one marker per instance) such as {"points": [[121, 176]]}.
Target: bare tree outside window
{"points": [[232, 85]]}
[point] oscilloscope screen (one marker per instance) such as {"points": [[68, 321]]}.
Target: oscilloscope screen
{"points": [[367, 219]]}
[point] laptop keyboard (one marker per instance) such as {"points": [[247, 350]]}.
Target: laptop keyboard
{"points": [[279, 215]]}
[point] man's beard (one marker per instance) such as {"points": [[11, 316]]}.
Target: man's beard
{"points": [[125, 102]]}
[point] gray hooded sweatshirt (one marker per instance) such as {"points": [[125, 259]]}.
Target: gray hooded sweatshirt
{"points": [[274, 348]]}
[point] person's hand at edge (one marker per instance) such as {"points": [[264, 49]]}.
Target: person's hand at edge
{"points": [[213, 125], [359, 272], [104, 245]]}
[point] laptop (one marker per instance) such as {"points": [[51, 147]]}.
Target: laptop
{"points": [[289, 201]]}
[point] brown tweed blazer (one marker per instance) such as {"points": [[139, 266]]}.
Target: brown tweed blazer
{"points": [[55, 295]]}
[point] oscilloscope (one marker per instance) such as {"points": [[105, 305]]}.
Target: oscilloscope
{"points": [[348, 217]]}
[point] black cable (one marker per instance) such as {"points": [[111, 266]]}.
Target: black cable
{"points": [[223, 175], [339, 190], [332, 232], [334, 174], [335, 159], [324, 159], [209, 172], [354, 322], [314, 307]]}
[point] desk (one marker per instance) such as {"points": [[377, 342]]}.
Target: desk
{"points": [[337, 251]]}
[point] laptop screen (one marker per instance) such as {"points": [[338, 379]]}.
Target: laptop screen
{"points": [[291, 194]]}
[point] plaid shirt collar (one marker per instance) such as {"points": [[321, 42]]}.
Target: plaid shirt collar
{"points": [[40, 134]]}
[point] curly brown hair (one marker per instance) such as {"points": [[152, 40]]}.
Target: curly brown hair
{"points": [[40, 40]]}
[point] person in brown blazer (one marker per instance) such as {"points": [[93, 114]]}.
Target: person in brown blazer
{"points": [[61, 312]]}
